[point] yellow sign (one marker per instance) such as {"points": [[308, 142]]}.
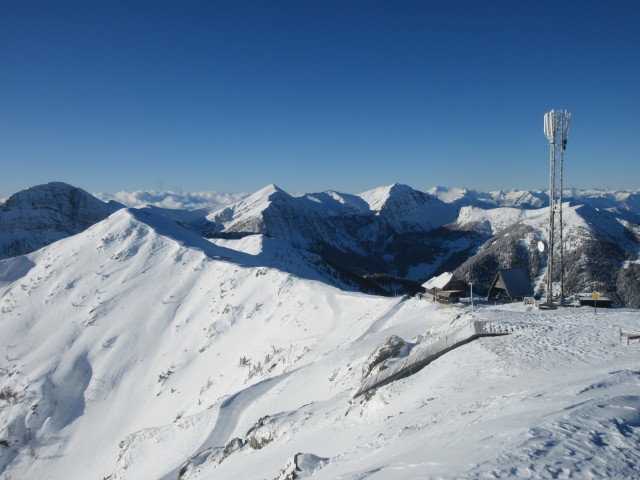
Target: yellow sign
{"points": [[596, 295]]}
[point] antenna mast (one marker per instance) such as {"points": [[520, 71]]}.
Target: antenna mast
{"points": [[556, 128]]}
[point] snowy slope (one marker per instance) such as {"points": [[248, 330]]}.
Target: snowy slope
{"points": [[520, 199], [628, 200], [138, 350], [244, 211], [579, 221], [497, 198], [497, 219], [406, 209], [95, 325], [398, 231]]}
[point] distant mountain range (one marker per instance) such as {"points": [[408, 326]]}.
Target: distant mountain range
{"points": [[389, 239]]}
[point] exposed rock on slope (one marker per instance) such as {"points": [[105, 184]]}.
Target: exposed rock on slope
{"points": [[43, 214], [395, 231], [600, 250], [379, 231]]}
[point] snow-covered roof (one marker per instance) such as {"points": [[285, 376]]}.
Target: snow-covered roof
{"points": [[439, 282], [584, 295]]}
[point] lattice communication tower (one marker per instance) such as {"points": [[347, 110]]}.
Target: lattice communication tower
{"points": [[556, 128]]}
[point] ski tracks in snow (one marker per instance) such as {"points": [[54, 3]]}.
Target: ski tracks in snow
{"points": [[533, 344], [230, 411], [594, 438], [377, 325]]}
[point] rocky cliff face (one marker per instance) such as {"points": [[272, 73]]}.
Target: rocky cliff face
{"points": [[43, 214]]}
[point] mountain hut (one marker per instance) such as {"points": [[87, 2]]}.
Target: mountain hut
{"points": [[445, 288], [510, 284]]}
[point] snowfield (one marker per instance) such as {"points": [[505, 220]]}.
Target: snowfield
{"points": [[136, 349]]}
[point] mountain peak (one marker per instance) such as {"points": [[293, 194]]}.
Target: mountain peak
{"points": [[377, 198], [43, 191], [394, 195], [37, 216], [269, 190], [400, 187]]}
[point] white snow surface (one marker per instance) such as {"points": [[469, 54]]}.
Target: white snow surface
{"points": [[138, 350], [495, 198], [439, 281], [497, 219]]}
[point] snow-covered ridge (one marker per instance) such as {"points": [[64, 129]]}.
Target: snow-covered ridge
{"points": [[602, 198], [408, 209], [498, 219], [277, 213], [162, 355], [395, 230], [375, 198]]}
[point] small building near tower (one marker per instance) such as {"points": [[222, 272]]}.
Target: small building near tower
{"points": [[445, 288], [510, 284], [593, 300]]}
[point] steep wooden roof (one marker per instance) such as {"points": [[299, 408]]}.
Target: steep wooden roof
{"points": [[515, 281]]}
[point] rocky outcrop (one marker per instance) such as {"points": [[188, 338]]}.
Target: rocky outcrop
{"points": [[40, 215]]}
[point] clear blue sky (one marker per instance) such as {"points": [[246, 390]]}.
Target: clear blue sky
{"points": [[316, 94]]}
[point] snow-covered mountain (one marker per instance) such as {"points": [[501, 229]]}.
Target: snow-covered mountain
{"points": [[528, 199], [136, 349], [373, 232], [306, 218], [498, 198], [602, 249], [378, 238], [407, 210], [399, 231], [40, 215]]}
